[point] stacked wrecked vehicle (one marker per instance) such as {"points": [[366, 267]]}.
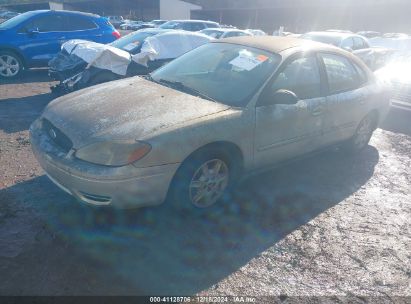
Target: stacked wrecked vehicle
{"points": [[83, 63]]}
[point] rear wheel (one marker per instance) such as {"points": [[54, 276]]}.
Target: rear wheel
{"points": [[363, 133], [10, 64]]}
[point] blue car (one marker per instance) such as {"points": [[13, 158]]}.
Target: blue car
{"points": [[33, 38]]}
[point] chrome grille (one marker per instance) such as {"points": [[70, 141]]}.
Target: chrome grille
{"points": [[401, 92]]}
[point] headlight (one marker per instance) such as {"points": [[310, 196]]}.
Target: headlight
{"points": [[115, 153]]}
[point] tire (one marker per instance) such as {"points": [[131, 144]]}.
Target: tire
{"points": [[11, 65], [362, 134], [202, 181]]}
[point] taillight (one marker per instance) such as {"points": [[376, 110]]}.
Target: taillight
{"points": [[116, 34]]}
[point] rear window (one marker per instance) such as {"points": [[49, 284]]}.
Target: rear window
{"points": [[212, 33], [211, 24], [360, 43], [78, 23]]}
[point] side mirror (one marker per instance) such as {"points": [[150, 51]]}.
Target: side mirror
{"points": [[279, 97]]}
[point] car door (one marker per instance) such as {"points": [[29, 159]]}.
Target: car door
{"points": [[42, 38], [286, 130], [348, 96]]}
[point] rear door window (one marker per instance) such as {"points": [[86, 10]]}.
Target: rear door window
{"points": [[341, 74], [78, 23]]}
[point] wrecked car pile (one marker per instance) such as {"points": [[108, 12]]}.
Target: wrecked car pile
{"points": [[83, 63]]}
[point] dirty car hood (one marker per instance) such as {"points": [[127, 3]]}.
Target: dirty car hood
{"points": [[122, 110]]}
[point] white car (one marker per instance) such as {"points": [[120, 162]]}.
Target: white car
{"points": [[220, 33], [347, 41]]}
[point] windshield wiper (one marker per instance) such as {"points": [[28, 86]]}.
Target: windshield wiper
{"points": [[178, 85]]}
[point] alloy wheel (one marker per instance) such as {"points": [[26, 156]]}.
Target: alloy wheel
{"points": [[209, 183], [9, 66], [364, 132]]}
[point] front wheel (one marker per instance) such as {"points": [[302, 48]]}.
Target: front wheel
{"points": [[202, 181], [10, 65]]}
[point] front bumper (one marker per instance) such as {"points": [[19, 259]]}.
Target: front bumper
{"points": [[121, 187]]}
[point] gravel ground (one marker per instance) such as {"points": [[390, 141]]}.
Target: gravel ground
{"points": [[330, 225]]}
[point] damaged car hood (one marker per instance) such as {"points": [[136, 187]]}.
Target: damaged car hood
{"points": [[102, 56], [122, 110]]}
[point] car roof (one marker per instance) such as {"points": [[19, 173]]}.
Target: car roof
{"points": [[63, 12], [278, 44]]}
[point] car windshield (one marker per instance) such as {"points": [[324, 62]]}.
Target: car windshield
{"points": [[328, 39], [15, 21], [132, 42], [227, 73]]}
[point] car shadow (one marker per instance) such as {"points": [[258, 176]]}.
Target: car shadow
{"points": [[33, 75], [398, 121], [161, 251], [16, 114]]}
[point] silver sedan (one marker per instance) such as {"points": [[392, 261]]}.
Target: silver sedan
{"points": [[192, 128]]}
